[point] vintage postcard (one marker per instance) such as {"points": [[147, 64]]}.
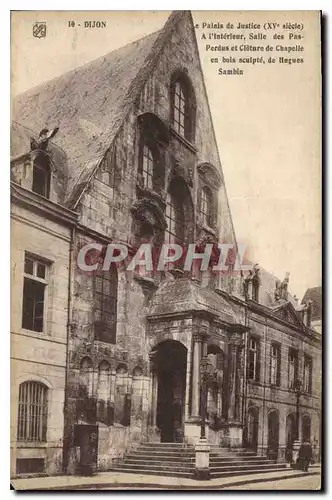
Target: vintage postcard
{"points": [[166, 311]]}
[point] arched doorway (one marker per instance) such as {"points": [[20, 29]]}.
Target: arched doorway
{"points": [[291, 434], [306, 428], [273, 435], [171, 363], [253, 421]]}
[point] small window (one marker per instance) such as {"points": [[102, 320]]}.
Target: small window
{"points": [[30, 465], [33, 294], [206, 206], [41, 179], [32, 412]]}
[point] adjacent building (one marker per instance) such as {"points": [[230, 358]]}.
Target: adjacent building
{"points": [[103, 360]]}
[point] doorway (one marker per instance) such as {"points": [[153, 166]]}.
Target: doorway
{"points": [[171, 361], [273, 435], [291, 434], [306, 428], [253, 420]]}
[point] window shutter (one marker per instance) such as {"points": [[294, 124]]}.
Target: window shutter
{"points": [[258, 361], [278, 366]]}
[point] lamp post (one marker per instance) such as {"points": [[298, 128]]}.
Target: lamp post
{"points": [[296, 442], [206, 375], [202, 448]]}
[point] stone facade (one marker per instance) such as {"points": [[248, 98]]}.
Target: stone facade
{"points": [[42, 231], [138, 376]]}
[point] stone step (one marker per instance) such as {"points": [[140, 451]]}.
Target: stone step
{"points": [[151, 453], [231, 468], [154, 472], [191, 459], [214, 475], [144, 450], [160, 458], [191, 464], [167, 445], [190, 467], [152, 466]]}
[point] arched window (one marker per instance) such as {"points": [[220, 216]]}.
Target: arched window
{"points": [[183, 106], [206, 206], [106, 300], [32, 412], [147, 167]]}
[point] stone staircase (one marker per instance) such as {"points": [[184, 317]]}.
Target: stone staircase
{"points": [[178, 460]]}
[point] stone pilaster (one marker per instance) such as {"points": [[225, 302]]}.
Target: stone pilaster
{"points": [[195, 379]]}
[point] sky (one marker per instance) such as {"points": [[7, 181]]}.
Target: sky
{"points": [[267, 124]]}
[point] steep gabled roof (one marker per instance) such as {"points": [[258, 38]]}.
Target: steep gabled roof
{"points": [[89, 104]]}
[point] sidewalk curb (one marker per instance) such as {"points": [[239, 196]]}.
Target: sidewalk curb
{"points": [[123, 485]]}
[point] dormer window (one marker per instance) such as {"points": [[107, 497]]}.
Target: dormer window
{"points": [[206, 206], [41, 179], [147, 167], [183, 106]]}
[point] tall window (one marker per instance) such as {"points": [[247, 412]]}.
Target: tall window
{"points": [[307, 375], [292, 367], [175, 221], [147, 167], [105, 298], [275, 364], [41, 178], [183, 105], [32, 412], [253, 359], [179, 113], [206, 206], [34, 293]]}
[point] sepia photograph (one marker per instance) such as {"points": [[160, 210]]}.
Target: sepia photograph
{"points": [[166, 250]]}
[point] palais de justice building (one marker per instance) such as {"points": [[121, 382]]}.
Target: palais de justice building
{"points": [[123, 150]]}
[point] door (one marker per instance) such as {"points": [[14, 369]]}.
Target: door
{"points": [[253, 420], [273, 435], [86, 437], [171, 362], [290, 436]]}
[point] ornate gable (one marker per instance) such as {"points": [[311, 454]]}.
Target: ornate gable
{"points": [[287, 313]]}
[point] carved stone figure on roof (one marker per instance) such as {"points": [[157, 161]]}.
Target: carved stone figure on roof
{"points": [[281, 290]]}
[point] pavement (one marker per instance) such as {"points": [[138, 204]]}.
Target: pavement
{"points": [[118, 480]]}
